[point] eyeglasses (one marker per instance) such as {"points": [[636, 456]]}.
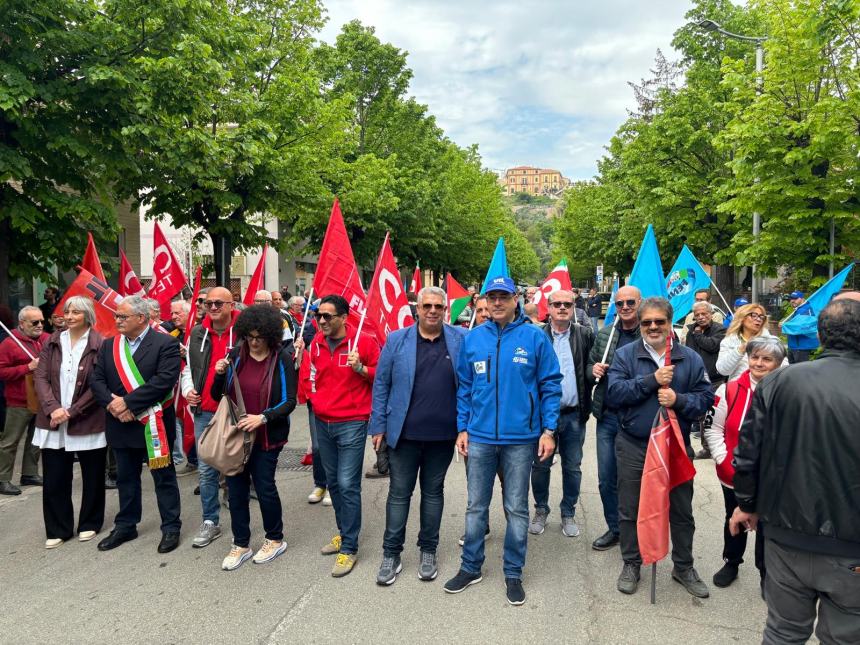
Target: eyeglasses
{"points": [[756, 316], [499, 297], [324, 316], [621, 304], [427, 306], [214, 304], [124, 317], [561, 305], [200, 301], [262, 302], [36, 323], [658, 322], [255, 339]]}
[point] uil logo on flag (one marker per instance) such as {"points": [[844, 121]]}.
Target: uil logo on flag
{"points": [[680, 282]]}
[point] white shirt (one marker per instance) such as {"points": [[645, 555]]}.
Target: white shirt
{"points": [[59, 439], [658, 358]]}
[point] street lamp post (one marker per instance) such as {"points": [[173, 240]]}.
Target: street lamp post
{"points": [[712, 25]]}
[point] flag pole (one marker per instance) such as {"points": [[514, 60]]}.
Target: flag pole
{"points": [[722, 297], [17, 342], [653, 583], [472, 321], [307, 309], [608, 343], [358, 332]]}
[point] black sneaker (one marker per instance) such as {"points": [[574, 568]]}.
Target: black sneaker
{"points": [[515, 592], [691, 581], [462, 580], [628, 581], [605, 541], [726, 576]]}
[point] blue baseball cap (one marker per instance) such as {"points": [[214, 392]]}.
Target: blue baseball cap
{"points": [[795, 294], [740, 302], [501, 284]]}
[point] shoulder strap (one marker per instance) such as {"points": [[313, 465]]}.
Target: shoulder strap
{"points": [[240, 402], [732, 389]]}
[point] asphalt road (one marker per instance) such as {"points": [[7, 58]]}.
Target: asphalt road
{"points": [[75, 594]]}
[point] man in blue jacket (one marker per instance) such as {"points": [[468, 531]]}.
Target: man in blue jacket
{"points": [[639, 383], [508, 402], [800, 346], [415, 413]]}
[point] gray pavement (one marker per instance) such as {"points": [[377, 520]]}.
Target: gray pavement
{"points": [[75, 594]]}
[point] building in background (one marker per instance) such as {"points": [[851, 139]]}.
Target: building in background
{"points": [[534, 181]]}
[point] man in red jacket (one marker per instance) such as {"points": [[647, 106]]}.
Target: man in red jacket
{"points": [[16, 365], [337, 373]]}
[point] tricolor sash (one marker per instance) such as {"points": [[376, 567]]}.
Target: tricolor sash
{"points": [[157, 447]]}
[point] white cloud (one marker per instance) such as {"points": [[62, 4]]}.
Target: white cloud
{"points": [[540, 83]]}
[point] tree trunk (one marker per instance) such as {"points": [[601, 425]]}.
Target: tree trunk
{"points": [[223, 254], [724, 278]]}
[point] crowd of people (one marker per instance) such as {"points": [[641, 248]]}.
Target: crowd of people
{"points": [[505, 390]]}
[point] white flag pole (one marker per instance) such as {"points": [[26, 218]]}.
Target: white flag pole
{"points": [[608, 343], [17, 342]]}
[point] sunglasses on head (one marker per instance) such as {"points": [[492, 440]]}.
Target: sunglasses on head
{"points": [[620, 304], [561, 305], [658, 322]]}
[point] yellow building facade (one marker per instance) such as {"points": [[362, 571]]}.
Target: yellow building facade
{"points": [[534, 181]]}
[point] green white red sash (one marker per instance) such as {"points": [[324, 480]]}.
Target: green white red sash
{"points": [[157, 447]]}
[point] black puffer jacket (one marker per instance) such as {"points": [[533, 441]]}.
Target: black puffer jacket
{"points": [[707, 345], [797, 463]]}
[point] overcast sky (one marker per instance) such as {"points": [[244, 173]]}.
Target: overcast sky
{"points": [[532, 83]]}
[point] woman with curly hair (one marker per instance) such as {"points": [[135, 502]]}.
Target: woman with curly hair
{"points": [[264, 367], [750, 321]]}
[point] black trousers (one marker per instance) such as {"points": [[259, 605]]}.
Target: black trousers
{"points": [[129, 462], [734, 546], [57, 507]]}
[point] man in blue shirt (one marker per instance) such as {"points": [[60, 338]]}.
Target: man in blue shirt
{"points": [[800, 346], [415, 413], [507, 410]]}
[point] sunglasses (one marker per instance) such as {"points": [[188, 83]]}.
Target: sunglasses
{"points": [[561, 305], [214, 304], [200, 301], [36, 323], [756, 316], [124, 317], [324, 316], [427, 306], [658, 322], [621, 304]]}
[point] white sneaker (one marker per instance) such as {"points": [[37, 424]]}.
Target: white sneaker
{"points": [[316, 495], [236, 558], [327, 499], [53, 543], [86, 536], [269, 551]]}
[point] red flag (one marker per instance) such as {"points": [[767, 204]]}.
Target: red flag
{"points": [[558, 278], [104, 298], [415, 285], [257, 279], [666, 466], [129, 285], [387, 306], [91, 260], [168, 279], [337, 272], [183, 410]]}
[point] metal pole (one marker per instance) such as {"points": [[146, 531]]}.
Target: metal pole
{"points": [[832, 246], [759, 67]]}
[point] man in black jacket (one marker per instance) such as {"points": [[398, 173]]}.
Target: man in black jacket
{"points": [[572, 343], [704, 337], [134, 385], [796, 472]]}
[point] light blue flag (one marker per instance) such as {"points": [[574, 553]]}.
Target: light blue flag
{"points": [[498, 265], [684, 279], [808, 325], [647, 273], [610, 310]]}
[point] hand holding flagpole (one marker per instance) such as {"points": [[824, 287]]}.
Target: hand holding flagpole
{"points": [[608, 345]]}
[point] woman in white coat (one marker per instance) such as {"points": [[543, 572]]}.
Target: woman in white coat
{"points": [[750, 321]]}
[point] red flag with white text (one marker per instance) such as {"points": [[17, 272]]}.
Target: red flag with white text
{"points": [[105, 300], [387, 306], [558, 278], [129, 285], [257, 279], [168, 279]]}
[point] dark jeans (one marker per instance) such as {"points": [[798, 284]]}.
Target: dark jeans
{"points": [[571, 436], [631, 460], [318, 470], [342, 451], [734, 546], [515, 462], [607, 469], [802, 586], [260, 468], [428, 460], [57, 507], [129, 462]]}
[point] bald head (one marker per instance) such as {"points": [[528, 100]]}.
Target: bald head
{"points": [[219, 307], [629, 297], [848, 295]]}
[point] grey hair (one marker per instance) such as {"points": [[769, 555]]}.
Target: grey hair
{"points": [[656, 302], [24, 311], [186, 306], [431, 291], [83, 304], [703, 303], [154, 305], [139, 305], [770, 345], [295, 300]]}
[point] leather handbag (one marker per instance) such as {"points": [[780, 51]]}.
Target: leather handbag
{"points": [[222, 445]]}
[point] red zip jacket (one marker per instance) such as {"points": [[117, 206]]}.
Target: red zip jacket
{"points": [[13, 366], [335, 390]]}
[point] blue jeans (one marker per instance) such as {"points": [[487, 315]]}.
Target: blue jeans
{"points": [[411, 459], [595, 323], [208, 475], [342, 452], [261, 469], [318, 470], [178, 456], [571, 436], [607, 468], [516, 463]]}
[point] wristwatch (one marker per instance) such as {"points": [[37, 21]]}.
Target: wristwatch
{"points": [[264, 419], [549, 432]]}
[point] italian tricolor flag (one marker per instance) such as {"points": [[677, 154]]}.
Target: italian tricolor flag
{"points": [[558, 278], [458, 298]]}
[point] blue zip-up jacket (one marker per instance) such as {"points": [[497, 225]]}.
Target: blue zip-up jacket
{"points": [[803, 341], [509, 384]]}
